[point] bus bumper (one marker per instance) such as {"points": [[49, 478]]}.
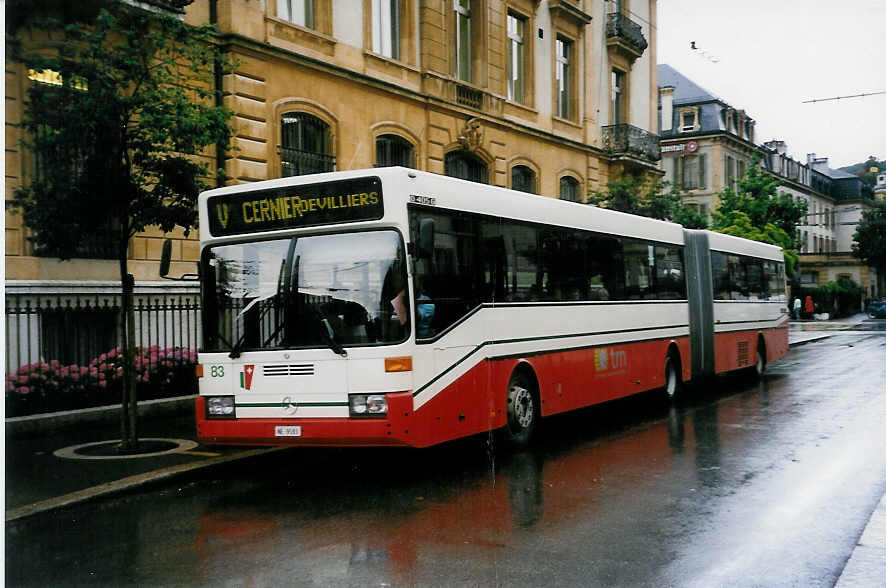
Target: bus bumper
{"points": [[392, 430]]}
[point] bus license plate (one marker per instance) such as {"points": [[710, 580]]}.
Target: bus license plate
{"points": [[287, 431]]}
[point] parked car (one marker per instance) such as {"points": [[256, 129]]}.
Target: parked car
{"points": [[877, 309]]}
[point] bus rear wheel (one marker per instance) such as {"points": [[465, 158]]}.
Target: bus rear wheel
{"points": [[523, 410], [760, 365], [673, 381]]}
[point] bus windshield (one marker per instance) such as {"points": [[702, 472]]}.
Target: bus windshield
{"points": [[306, 292]]}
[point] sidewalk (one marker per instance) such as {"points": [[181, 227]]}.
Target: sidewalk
{"points": [[39, 481], [40, 478]]}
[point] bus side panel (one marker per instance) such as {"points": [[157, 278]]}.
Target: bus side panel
{"points": [[776, 342], [734, 350], [737, 350], [574, 379], [467, 406]]}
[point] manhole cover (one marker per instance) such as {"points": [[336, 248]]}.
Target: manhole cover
{"points": [[111, 449]]}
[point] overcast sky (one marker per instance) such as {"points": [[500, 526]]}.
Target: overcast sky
{"points": [[769, 56]]}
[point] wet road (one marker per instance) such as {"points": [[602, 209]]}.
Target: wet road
{"points": [[741, 484]]}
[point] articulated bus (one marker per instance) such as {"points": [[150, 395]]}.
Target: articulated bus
{"points": [[398, 307]]}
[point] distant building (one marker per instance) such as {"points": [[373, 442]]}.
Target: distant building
{"points": [[706, 145], [880, 188], [835, 202]]}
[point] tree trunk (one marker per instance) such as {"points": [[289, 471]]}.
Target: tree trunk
{"points": [[129, 400]]}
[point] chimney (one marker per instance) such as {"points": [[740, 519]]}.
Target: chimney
{"points": [[819, 164], [667, 108], [779, 147]]}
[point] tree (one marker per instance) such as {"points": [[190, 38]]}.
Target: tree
{"points": [[650, 198], [869, 240], [742, 226], [868, 171], [117, 133], [757, 211], [757, 196]]}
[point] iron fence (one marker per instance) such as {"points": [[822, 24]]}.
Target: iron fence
{"points": [[78, 328]]}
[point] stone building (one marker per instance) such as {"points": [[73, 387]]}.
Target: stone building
{"points": [[706, 143], [555, 97]]}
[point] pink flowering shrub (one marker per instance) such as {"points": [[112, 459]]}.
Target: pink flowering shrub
{"points": [[49, 386]]}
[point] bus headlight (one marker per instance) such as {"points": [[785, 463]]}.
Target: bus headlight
{"points": [[220, 407], [361, 405]]}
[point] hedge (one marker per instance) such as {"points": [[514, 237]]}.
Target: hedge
{"points": [[42, 387]]}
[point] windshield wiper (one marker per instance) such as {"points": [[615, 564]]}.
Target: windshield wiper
{"points": [[330, 339]]}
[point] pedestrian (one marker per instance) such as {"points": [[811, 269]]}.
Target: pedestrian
{"points": [[810, 306], [797, 305]]}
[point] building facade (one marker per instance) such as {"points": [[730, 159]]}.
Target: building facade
{"points": [[555, 97], [706, 143]]}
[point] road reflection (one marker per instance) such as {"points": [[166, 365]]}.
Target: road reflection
{"points": [[384, 523]]}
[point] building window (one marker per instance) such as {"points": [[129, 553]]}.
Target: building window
{"points": [[386, 28], [731, 179], [688, 121], [569, 188], [617, 108], [809, 278], [564, 75], [305, 146], [391, 150], [694, 170], [300, 12], [463, 39], [523, 179], [461, 164], [516, 58]]}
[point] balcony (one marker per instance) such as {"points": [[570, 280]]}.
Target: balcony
{"points": [[632, 143], [625, 36]]}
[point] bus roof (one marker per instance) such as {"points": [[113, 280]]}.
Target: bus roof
{"points": [[741, 246], [453, 193]]}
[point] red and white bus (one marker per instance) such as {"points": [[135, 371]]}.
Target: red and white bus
{"points": [[398, 307]]}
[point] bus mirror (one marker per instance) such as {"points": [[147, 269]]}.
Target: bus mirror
{"points": [[426, 238], [165, 257]]}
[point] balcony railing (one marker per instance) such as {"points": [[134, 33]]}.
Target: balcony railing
{"points": [[626, 33], [628, 140]]}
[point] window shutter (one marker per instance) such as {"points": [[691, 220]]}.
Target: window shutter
{"points": [[702, 163]]}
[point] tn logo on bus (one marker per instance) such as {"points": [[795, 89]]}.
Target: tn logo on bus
{"points": [[609, 359]]}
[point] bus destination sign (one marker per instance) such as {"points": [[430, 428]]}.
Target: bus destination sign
{"points": [[292, 207]]}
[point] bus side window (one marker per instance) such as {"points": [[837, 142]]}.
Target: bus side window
{"points": [[738, 280], [754, 271], [720, 275], [521, 245], [670, 281], [637, 271]]}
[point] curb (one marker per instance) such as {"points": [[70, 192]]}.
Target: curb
{"points": [[130, 483], [101, 415], [809, 340], [868, 559]]}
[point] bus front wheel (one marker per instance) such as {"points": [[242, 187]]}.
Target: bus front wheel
{"points": [[523, 409]]}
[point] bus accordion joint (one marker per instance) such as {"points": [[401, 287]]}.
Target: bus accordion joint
{"points": [[398, 364]]}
